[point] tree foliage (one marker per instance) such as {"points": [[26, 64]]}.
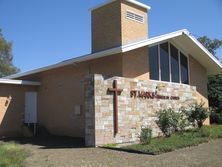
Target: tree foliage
{"points": [[6, 57], [211, 45], [214, 81], [215, 92]]}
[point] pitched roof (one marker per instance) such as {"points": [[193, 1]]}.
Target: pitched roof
{"points": [[181, 37]]}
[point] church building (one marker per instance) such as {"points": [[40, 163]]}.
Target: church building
{"points": [[109, 94]]}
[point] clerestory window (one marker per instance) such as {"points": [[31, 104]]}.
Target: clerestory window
{"points": [[167, 63]]}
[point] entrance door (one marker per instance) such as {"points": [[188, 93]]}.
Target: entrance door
{"points": [[31, 107]]}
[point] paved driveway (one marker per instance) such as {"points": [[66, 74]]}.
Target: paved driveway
{"points": [[204, 155]]}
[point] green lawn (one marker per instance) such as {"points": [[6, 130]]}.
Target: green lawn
{"points": [[179, 140], [12, 154]]}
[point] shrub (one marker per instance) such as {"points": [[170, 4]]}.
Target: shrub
{"points": [[169, 121], [183, 120], [146, 135], [215, 117], [197, 114]]}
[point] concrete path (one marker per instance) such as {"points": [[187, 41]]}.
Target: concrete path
{"points": [[204, 155]]}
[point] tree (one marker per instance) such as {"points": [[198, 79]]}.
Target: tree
{"points": [[211, 45], [6, 57], [215, 91], [214, 81]]}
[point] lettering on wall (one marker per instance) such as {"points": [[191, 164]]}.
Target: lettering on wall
{"points": [[151, 95]]}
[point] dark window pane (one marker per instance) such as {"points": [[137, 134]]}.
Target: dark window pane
{"points": [[153, 60], [174, 64], [184, 69], [164, 62]]}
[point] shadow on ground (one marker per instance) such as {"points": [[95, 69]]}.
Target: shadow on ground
{"points": [[128, 151], [49, 142]]}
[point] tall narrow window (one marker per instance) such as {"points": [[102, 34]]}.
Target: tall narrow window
{"points": [[167, 63], [164, 62], [174, 57], [184, 69], [153, 61]]}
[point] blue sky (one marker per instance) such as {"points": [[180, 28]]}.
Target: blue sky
{"points": [[44, 32]]}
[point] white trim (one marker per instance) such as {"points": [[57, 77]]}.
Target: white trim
{"points": [[175, 83], [69, 62], [19, 82], [153, 40], [158, 52], [169, 62], [131, 1], [188, 64], [169, 57], [179, 65], [139, 4], [122, 49], [205, 50], [188, 73]]}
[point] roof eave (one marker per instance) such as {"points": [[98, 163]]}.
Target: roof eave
{"points": [[19, 82], [122, 49], [131, 1]]}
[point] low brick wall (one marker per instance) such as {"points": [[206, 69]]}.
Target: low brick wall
{"points": [[137, 106]]}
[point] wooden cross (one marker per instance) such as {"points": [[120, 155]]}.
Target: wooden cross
{"points": [[116, 92]]}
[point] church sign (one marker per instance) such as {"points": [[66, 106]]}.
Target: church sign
{"points": [[151, 95], [133, 94]]}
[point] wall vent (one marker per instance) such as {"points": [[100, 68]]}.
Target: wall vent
{"points": [[134, 16]]}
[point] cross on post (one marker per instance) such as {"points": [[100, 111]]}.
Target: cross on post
{"points": [[115, 92]]}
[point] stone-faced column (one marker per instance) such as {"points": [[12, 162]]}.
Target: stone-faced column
{"points": [[89, 111]]}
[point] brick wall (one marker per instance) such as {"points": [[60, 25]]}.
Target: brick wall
{"points": [[111, 28]]}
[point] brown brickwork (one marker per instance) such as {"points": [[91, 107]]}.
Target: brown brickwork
{"points": [[136, 64], [111, 28], [12, 107], [106, 27], [198, 77], [133, 31]]}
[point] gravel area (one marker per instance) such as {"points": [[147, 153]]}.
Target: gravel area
{"points": [[204, 155]]}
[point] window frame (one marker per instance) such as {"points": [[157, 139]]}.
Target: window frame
{"points": [[170, 69], [168, 61], [157, 62]]}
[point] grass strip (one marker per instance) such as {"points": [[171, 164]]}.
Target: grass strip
{"points": [[12, 154], [189, 138]]}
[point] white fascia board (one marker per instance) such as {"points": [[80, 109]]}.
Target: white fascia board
{"points": [[68, 62], [139, 4], [19, 82], [153, 40], [205, 50], [120, 49], [131, 1]]}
